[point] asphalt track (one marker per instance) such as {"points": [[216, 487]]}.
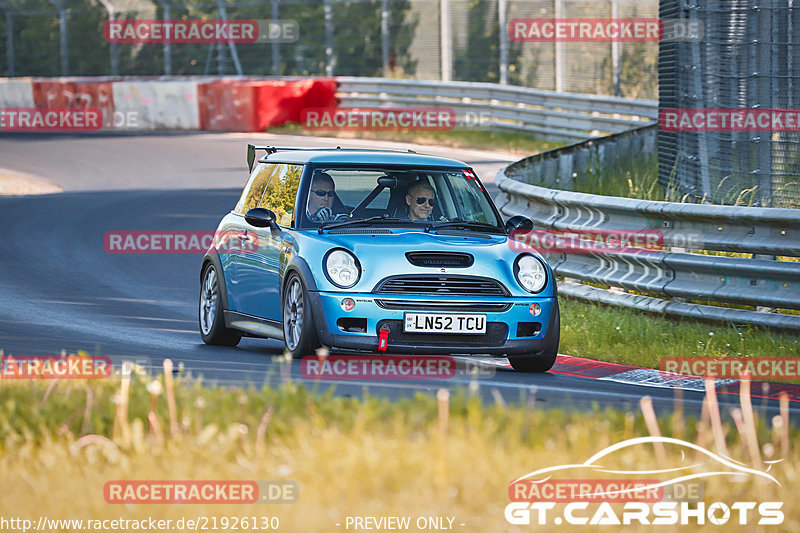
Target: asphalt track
{"points": [[60, 290]]}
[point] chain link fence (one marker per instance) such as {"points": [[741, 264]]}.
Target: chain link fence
{"points": [[463, 40], [747, 66]]}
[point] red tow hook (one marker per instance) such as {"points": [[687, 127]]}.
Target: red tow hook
{"points": [[383, 339]]}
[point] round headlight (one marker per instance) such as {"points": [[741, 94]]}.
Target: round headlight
{"points": [[531, 273], [342, 268]]}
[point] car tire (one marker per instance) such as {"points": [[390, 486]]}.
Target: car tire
{"points": [[299, 333], [212, 319], [544, 360]]}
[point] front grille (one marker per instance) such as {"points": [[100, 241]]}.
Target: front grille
{"points": [[495, 336], [440, 259], [441, 285], [425, 305]]}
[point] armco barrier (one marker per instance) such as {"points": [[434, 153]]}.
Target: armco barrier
{"points": [[675, 274]]}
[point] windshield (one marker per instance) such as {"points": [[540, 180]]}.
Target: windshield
{"points": [[398, 197]]}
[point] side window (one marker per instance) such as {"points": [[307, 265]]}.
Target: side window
{"points": [[251, 196], [282, 191]]}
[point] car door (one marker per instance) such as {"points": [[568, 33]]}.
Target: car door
{"points": [[258, 271]]}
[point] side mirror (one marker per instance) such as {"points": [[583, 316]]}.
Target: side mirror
{"points": [[519, 223], [261, 218]]}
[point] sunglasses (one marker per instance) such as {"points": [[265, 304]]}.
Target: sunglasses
{"points": [[322, 193], [421, 200]]}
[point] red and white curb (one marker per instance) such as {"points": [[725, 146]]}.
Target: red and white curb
{"points": [[650, 377]]}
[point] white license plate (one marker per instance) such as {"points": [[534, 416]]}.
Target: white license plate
{"points": [[444, 323]]}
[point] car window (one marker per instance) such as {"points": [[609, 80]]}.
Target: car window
{"points": [[254, 190], [281, 192], [470, 201]]}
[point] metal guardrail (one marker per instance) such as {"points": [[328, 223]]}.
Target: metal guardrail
{"points": [[674, 272], [550, 114]]}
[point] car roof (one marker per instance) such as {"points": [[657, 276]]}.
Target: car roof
{"points": [[360, 157]]}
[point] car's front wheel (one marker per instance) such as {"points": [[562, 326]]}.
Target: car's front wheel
{"points": [[299, 334], [212, 321]]}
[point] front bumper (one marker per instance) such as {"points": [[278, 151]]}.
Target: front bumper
{"points": [[511, 328]]}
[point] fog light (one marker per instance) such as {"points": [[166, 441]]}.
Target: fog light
{"points": [[535, 309], [348, 304]]}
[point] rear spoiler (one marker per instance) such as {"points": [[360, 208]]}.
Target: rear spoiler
{"points": [[251, 151]]}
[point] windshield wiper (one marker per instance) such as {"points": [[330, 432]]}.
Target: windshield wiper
{"points": [[464, 224], [381, 218]]}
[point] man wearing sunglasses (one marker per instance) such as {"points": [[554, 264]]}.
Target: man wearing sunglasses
{"points": [[321, 198], [420, 199]]}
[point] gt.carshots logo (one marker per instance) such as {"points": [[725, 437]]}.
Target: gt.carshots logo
{"points": [[569, 494], [379, 119]]}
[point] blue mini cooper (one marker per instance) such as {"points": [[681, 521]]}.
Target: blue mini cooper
{"points": [[376, 250]]}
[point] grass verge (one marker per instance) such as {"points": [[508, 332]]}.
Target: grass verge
{"points": [[623, 336], [60, 442]]}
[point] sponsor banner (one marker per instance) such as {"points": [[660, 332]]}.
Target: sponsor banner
{"points": [[180, 31], [729, 120], [55, 367], [379, 367], [754, 368], [50, 119], [379, 119], [179, 242]]}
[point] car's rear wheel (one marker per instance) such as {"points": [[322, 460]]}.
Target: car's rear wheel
{"points": [[545, 359], [299, 334], [212, 321]]}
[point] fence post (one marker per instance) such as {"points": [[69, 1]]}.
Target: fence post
{"points": [[446, 40], [502, 20], [385, 37], [9, 38], [167, 48], [112, 47], [329, 57], [276, 46], [223, 14], [62, 33], [559, 49], [616, 48]]}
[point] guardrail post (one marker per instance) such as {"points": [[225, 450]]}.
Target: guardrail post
{"points": [[502, 19], [446, 43], [9, 38], [62, 34]]}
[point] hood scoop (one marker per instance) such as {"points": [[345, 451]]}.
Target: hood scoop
{"points": [[440, 259]]}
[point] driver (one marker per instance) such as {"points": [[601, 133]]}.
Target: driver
{"points": [[321, 197], [420, 200]]}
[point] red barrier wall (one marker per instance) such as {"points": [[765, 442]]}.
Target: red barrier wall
{"points": [[232, 105], [72, 94]]}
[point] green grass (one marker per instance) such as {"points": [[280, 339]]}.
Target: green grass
{"points": [[417, 457], [623, 336]]}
